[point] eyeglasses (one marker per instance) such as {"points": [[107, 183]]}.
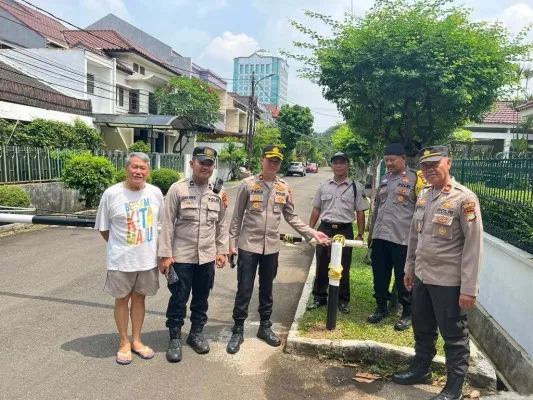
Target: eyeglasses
{"points": [[430, 165]]}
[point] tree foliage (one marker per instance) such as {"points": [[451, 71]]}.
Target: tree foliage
{"points": [[163, 178], [411, 71], [140, 146], [235, 156], [89, 174], [265, 134], [190, 98], [51, 134], [295, 123], [354, 145]]}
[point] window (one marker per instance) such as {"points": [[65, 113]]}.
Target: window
{"points": [[135, 67], [152, 105], [120, 96], [268, 68], [262, 68], [257, 68], [141, 70], [241, 69], [134, 101], [90, 83], [246, 69]]}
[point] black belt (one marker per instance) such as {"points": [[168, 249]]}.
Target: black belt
{"points": [[336, 225]]}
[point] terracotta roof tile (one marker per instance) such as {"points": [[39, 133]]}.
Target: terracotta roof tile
{"points": [[48, 27], [109, 41], [502, 114]]}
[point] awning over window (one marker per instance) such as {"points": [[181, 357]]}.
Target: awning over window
{"points": [[146, 121]]}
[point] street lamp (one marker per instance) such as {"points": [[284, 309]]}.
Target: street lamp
{"points": [[251, 116]]}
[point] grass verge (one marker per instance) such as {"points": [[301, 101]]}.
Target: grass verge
{"points": [[354, 326]]}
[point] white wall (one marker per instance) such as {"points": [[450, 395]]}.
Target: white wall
{"points": [[26, 113], [506, 293]]}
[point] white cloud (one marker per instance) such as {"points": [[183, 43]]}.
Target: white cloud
{"points": [[231, 45], [206, 6], [517, 16]]}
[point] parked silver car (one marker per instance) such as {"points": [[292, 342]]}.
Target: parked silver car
{"points": [[296, 168]]}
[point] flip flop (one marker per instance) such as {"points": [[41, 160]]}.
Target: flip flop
{"points": [[145, 350], [123, 361]]}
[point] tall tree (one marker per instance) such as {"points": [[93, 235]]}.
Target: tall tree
{"points": [[412, 71], [190, 98], [295, 123], [265, 134]]}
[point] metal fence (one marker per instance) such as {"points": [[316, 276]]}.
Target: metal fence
{"points": [[20, 164], [505, 191]]}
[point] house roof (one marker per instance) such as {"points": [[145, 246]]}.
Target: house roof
{"points": [[502, 113], [47, 26], [273, 109], [525, 106], [18, 87], [112, 41]]}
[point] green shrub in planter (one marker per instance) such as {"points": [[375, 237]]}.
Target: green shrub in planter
{"points": [[89, 174], [140, 146], [164, 178], [14, 196]]}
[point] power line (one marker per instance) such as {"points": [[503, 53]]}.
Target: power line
{"points": [[167, 65]]}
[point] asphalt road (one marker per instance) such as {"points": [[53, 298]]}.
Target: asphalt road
{"points": [[58, 338]]}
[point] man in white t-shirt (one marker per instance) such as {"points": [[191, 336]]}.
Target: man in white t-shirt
{"points": [[128, 218]]}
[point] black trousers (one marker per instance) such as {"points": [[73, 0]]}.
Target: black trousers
{"points": [[196, 277], [323, 257], [438, 306], [387, 256], [246, 270]]}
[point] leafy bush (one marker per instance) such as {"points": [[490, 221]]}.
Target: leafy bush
{"points": [[91, 175], [52, 135], [141, 146], [164, 178], [14, 196]]}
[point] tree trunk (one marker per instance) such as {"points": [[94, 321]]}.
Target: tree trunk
{"points": [[375, 165]]}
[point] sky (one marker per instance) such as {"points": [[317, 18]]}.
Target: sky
{"points": [[213, 32]]}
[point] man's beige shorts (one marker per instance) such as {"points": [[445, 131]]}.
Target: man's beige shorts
{"points": [[119, 284]]}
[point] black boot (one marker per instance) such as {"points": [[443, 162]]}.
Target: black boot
{"points": [[405, 320], [418, 372], [197, 341], [234, 344], [174, 345], [453, 389], [381, 312], [266, 334]]}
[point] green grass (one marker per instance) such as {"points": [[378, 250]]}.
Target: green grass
{"points": [[354, 326]]}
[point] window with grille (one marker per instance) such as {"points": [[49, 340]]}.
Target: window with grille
{"points": [[141, 70], [152, 104], [90, 83], [135, 67], [120, 96]]}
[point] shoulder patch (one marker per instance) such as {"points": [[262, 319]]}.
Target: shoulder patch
{"points": [[224, 197]]}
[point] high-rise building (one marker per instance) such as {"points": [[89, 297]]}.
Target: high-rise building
{"points": [[268, 89]]}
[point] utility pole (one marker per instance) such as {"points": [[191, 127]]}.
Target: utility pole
{"points": [[251, 118]]}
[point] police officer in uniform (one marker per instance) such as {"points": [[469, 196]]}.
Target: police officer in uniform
{"points": [[254, 230], [394, 206], [442, 270], [334, 203], [193, 238]]}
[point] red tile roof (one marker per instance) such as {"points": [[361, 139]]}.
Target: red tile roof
{"points": [[111, 41], [502, 114], [525, 106], [273, 109], [48, 27]]}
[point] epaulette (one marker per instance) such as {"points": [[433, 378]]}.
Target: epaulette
{"points": [[182, 180]]}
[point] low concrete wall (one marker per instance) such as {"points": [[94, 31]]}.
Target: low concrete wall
{"points": [[54, 196], [503, 324]]}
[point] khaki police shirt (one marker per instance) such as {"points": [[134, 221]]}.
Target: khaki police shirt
{"points": [[446, 238], [194, 228], [337, 203], [258, 209], [394, 207]]}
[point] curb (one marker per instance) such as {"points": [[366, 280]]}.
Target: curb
{"points": [[480, 374]]}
